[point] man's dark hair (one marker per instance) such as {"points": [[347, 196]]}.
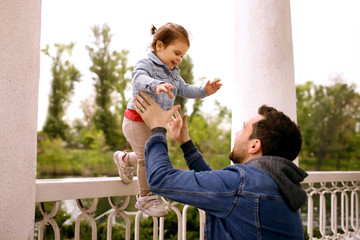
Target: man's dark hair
{"points": [[279, 135]]}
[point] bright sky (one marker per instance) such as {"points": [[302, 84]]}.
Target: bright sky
{"points": [[326, 38]]}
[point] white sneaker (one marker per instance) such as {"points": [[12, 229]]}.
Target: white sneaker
{"points": [[151, 205], [126, 171]]}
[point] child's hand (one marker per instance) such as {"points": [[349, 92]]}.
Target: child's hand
{"points": [[165, 87], [211, 88]]}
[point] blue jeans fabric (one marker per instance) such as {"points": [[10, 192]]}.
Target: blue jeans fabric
{"points": [[240, 201]]}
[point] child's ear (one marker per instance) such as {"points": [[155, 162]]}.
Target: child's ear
{"points": [[159, 45]]}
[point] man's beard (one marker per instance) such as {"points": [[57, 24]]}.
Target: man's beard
{"points": [[238, 158]]}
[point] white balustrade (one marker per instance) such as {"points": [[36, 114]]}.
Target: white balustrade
{"points": [[333, 205], [337, 190]]}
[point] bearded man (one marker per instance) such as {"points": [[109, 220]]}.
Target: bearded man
{"points": [[257, 197]]}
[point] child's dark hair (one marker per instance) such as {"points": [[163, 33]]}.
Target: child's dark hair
{"points": [[168, 33], [279, 135]]}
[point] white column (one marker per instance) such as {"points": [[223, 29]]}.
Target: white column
{"points": [[19, 76], [263, 70]]}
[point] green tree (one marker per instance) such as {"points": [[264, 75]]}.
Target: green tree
{"points": [[53, 160], [211, 134], [196, 109], [186, 73], [85, 134], [123, 82], [64, 75], [110, 69], [329, 116]]}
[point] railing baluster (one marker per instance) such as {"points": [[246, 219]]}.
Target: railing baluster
{"points": [[344, 211], [155, 228], [310, 215], [201, 224], [355, 208], [86, 214], [118, 211], [161, 229], [322, 214], [184, 221], [334, 212], [171, 207], [137, 226], [48, 218]]}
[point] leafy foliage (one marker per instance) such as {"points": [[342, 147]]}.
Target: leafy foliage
{"points": [[64, 75], [109, 70], [186, 73], [211, 134], [329, 117], [53, 160], [56, 160]]}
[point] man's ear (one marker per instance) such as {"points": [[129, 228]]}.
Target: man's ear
{"points": [[255, 146]]}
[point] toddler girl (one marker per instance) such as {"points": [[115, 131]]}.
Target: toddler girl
{"points": [[158, 76]]}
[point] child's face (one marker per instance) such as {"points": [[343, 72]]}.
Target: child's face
{"points": [[173, 53]]}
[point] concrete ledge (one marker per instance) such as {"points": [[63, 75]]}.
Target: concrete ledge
{"points": [[332, 176], [48, 190]]}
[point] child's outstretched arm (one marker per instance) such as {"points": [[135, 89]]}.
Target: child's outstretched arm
{"points": [[212, 87], [165, 87]]}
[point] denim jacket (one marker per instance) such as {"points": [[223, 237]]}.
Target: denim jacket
{"points": [[150, 72], [241, 201]]}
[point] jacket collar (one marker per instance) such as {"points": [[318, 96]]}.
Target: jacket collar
{"points": [[287, 176], [155, 59]]}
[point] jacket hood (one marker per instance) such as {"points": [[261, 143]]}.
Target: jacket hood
{"points": [[287, 176]]}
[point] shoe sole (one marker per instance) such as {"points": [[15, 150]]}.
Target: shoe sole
{"points": [[116, 160], [147, 212]]}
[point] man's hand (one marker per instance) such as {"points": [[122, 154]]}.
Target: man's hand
{"points": [[212, 87], [178, 128], [151, 113], [165, 87]]}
